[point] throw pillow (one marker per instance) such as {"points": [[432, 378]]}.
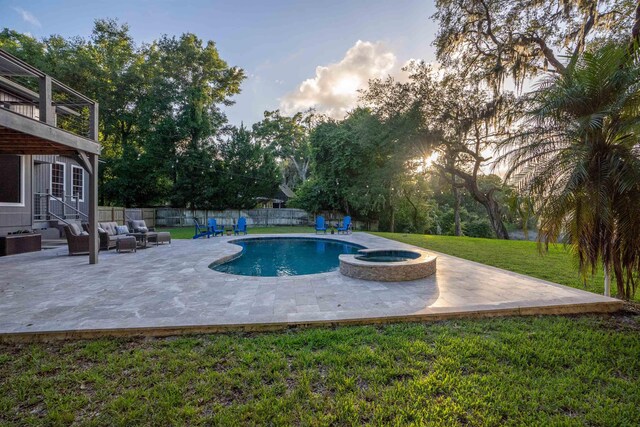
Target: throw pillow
{"points": [[84, 233], [122, 229]]}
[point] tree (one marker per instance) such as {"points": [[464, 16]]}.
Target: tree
{"points": [[579, 156], [457, 120], [522, 208], [494, 39], [288, 137], [358, 164], [159, 102], [249, 171], [197, 182]]}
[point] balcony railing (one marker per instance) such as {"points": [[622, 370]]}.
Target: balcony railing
{"points": [[27, 91]]}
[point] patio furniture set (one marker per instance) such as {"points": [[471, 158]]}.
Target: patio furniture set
{"points": [[212, 228], [121, 237]]}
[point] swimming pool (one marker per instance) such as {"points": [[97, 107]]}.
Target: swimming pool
{"points": [[286, 256]]}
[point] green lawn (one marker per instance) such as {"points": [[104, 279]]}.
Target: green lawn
{"points": [[558, 265], [553, 370], [520, 371]]}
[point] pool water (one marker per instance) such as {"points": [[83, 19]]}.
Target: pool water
{"points": [[388, 256], [286, 256]]}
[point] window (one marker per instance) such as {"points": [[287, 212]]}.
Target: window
{"points": [[57, 180], [12, 182], [77, 183]]}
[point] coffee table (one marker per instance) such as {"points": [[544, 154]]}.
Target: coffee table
{"points": [[141, 239]]}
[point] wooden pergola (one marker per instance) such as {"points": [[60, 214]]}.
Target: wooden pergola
{"points": [[24, 135]]}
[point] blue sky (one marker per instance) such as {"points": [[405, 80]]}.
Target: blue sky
{"points": [[280, 44]]}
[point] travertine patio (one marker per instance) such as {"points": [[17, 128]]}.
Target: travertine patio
{"points": [[170, 289]]}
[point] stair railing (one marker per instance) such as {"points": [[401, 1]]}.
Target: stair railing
{"points": [[49, 212]]}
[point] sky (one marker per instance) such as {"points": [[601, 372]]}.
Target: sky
{"points": [[296, 54]]}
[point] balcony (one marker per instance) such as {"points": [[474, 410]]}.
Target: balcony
{"points": [[40, 115]]}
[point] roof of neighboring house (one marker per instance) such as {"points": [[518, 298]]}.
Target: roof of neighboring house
{"points": [[286, 191]]}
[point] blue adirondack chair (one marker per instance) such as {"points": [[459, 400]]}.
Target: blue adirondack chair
{"points": [[320, 225], [201, 230], [346, 225], [213, 227], [241, 226]]}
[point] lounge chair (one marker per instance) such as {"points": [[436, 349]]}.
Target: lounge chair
{"points": [[241, 226], [320, 225], [346, 225], [153, 236], [139, 226], [213, 227], [201, 230], [77, 239]]}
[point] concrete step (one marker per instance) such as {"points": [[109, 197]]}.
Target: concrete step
{"points": [[50, 233], [53, 243]]}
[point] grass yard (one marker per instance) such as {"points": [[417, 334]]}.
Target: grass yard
{"points": [[557, 266], [549, 370], [518, 371]]}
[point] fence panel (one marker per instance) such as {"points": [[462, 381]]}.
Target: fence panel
{"points": [[264, 217], [170, 217], [149, 216]]}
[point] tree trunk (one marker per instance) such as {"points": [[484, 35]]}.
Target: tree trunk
{"points": [[491, 205], [485, 199], [607, 282], [493, 210], [393, 220], [635, 30], [415, 211], [302, 170], [456, 207], [495, 216]]}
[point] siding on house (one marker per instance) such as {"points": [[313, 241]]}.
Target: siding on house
{"points": [[37, 179], [18, 105], [14, 218], [42, 182]]}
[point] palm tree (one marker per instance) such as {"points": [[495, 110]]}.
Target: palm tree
{"points": [[579, 158], [522, 207]]}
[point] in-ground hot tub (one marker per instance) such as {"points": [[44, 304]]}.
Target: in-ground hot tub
{"points": [[388, 265]]}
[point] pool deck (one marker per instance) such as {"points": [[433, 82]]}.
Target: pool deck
{"points": [[168, 290]]}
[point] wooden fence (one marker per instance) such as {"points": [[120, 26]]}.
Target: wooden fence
{"points": [[169, 217], [173, 217], [121, 215]]}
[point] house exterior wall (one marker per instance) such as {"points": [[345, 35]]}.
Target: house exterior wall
{"points": [[14, 218], [37, 179], [28, 110], [42, 181]]}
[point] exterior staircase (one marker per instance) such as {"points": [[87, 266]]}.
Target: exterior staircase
{"points": [[51, 214]]}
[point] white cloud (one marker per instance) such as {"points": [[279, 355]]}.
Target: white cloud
{"points": [[28, 17], [334, 89]]}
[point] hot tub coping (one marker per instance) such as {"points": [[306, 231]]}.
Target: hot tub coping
{"points": [[351, 259], [395, 271]]}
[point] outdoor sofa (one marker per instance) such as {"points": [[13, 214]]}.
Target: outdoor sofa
{"points": [[109, 235]]}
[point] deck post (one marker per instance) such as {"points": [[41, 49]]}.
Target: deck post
{"points": [[45, 111], [93, 210], [94, 244]]}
